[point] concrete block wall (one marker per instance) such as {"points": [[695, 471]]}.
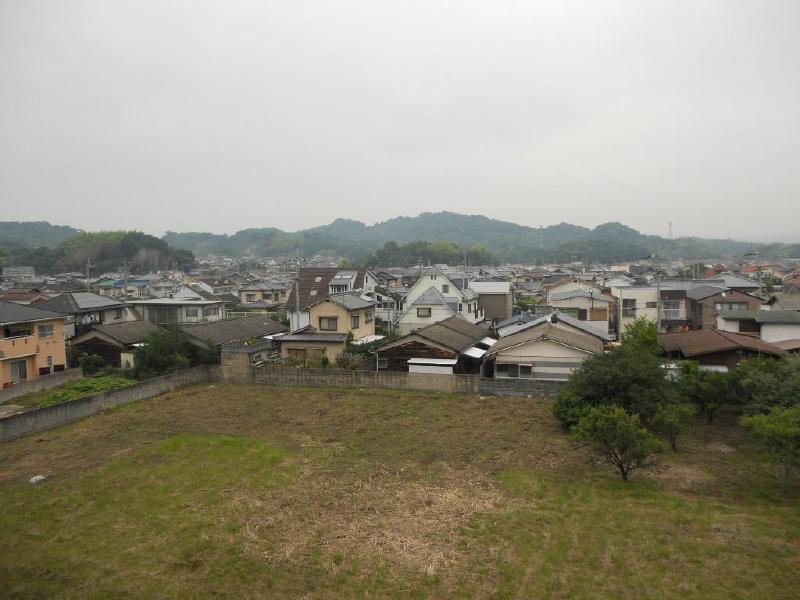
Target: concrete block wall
{"points": [[43, 382], [49, 417], [381, 379], [520, 387]]}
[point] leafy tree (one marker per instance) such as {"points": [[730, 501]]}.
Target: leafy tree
{"points": [[760, 383], [670, 419], [617, 437], [778, 434], [169, 349], [642, 334], [91, 363], [626, 376], [708, 390]]}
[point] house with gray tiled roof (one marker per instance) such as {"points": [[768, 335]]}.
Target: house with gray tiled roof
{"points": [[436, 296]]}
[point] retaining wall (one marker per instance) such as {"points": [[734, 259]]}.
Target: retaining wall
{"points": [[41, 419], [43, 382], [273, 375]]}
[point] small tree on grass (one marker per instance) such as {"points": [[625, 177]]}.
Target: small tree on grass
{"points": [[617, 437], [670, 420], [778, 434]]}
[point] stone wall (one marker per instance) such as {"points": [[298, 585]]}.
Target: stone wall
{"points": [[43, 382], [49, 417]]}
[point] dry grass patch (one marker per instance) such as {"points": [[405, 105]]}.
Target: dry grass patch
{"points": [[249, 491]]}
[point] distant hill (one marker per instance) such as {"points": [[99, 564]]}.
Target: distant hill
{"points": [[105, 250], [34, 233], [502, 240], [506, 241]]}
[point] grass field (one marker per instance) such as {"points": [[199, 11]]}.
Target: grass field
{"points": [[248, 491], [72, 390]]}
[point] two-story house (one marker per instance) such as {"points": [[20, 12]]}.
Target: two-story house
{"points": [[435, 297], [271, 293], [31, 343], [347, 312], [315, 283], [86, 309], [188, 305]]}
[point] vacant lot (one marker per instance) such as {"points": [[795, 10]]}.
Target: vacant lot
{"points": [[249, 491]]}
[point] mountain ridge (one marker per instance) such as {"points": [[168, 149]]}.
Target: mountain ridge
{"points": [[357, 241]]}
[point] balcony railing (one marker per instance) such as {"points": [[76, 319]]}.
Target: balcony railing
{"points": [[675, 314], [15, 347]]}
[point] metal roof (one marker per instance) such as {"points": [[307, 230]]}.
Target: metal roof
{"points": [[79, 302], [314, 337]]}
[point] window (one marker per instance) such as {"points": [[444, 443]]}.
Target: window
{"points": [[505, 370], [315, 353], [117, 313], [354, 321], [383, 363], [730, 306], [337, 289], [251, 298], [629, 307], [433, 277], [652, 305], [46, 330], [49, 361], [297, 353], [369, 316], [191, 311], [582, 314], [526, 371], [210, 310], [276, 297], [423, 312], [445, 289], [460, 307], [328, 323]]}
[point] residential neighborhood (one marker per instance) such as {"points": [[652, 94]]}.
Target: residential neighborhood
{"points": [[400, 300]]}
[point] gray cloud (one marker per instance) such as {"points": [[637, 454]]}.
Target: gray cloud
{"points": [[223, 115]]}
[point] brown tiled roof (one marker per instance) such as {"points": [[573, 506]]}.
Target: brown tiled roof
{"points": [[550, 331], [307, 283], [708, 341], [454, 333]]}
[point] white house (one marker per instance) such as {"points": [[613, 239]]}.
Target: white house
{"points": [[435, 297], [769, 325]]}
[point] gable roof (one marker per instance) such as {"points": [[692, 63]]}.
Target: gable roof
{"points": [[560, 317], [11, 312], [127, 333], [709, 341], [453, 333], [233, 330], [347, 300], [785, 301], [579, 293], [705, 290], [70, 303], [313, 284], [553, 332]]}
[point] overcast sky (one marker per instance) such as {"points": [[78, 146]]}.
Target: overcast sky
{"points": [[218, 116]]}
